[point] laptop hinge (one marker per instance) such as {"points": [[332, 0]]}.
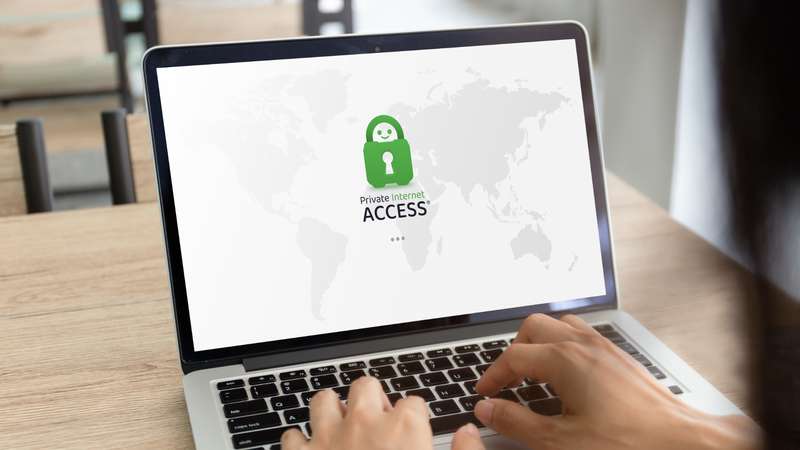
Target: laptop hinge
{"points": [[378, 345]]}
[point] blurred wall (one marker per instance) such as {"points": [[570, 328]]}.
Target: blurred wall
{"points": [[639, 50]]}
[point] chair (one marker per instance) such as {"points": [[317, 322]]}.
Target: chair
{"points": [[165, 21], [316, 18], [24, 180], [129, 154], [192, 21], [62, 48]]}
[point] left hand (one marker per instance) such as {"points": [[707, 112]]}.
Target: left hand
{"points": [[370, 422]]}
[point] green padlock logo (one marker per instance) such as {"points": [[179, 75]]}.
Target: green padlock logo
{"points": [[387, 155]]}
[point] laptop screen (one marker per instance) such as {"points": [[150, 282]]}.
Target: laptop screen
{"points": [[326, 194]]}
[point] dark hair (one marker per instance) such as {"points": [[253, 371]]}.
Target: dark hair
{"points": [[759, 97]]}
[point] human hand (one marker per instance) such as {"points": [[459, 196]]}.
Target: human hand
{"points": [[610, 401], [370, 422]]}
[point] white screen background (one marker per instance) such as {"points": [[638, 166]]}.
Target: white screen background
{"points": [[256, 155]]}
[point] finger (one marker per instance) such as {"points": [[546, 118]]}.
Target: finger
{"points": [[366, 395], [293, 439], [411, 406], [467, 438], [537, 361], [515, 421], [542, 329], [578, 323], [326, 415]]}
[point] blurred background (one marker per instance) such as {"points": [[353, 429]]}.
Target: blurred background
{"points": [[66, 61]]}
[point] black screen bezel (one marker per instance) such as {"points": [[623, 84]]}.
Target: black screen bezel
{"points": [[360, 44]]}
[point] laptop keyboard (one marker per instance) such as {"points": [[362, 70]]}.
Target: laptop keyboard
{"points": [[259, 408]]}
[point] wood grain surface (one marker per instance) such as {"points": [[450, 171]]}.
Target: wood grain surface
{"points": [[193, 21], [12, 187], [70, 124], [57, 46], [144, 177], [88, 344]]}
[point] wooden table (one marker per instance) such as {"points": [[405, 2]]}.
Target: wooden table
{"points": [[89, 357]]}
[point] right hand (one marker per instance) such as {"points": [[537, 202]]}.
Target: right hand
{"points": [[609, 400]]}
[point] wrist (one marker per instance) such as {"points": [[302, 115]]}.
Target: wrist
{"points": [[694, 430]]}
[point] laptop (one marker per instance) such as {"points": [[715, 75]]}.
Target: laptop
{"points": [[389, 205]]}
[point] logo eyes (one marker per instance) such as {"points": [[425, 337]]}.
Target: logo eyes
{"points": [[389, 131]]}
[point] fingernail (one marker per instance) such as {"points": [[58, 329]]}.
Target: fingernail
{"points": [[470, 429], [484, 410]]}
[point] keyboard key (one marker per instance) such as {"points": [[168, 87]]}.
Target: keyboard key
{"points": [[551, 389], [530, 381], [449, 424], [381, 361], [394, 397], [296, 415], [244, 408], [656, 372], [385, 387], [470, 387], [495, 344], [615, 337], [284, 401], [324, 370], [410, 368], [408, 357], [425, 393], [352, 365], [466, 359], [233, 395], [293, 374], [603, 328], [467, 348], [450, 391], [676, 390], [383, 372], [444, 407], [642, 360], [306, 397], [438, 353], [438, 364], [264, 390], [353, 375], [261, 437], [230, 384], [324, 381], [628, 348], [468, 403], [432, 378], [547, 407], [489, 356], [462, 374], [261, 379], [292, 386], [308, 429], [482, 368], [534, 392], [342, 391], [507, 394], [404, 383], [250, 423]]}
